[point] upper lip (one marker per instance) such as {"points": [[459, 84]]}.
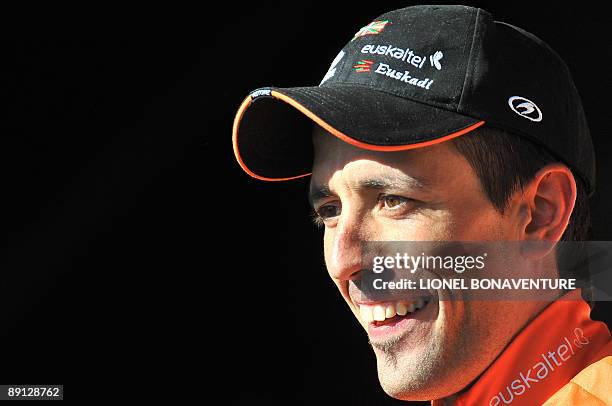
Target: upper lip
{"points": [[371, 302], [379, 302]]}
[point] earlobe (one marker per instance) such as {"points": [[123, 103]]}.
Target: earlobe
{"points": [[550, 199]]}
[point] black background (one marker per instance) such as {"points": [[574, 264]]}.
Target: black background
{"points": [[134, 249]]}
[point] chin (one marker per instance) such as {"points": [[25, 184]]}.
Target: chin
{"points": [[402, 390], [419, 376], [400, 379]]}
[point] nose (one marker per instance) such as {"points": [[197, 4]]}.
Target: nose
{"points": [[344, 260]]}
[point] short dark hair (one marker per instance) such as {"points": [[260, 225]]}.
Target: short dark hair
{"points": [[505, 163]]}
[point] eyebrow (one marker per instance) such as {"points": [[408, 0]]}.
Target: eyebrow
{"points": [[318, 192]]}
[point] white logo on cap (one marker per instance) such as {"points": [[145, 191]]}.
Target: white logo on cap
{"points": [[525, 108], [332, 69], [435, 59], [260, 92]]}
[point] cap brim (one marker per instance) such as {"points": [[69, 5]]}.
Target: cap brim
{"points": [[272, 133]]}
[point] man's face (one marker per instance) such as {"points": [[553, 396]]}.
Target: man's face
{"points": [[425, 194]]}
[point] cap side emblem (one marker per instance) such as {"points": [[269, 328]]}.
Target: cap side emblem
{"points": [[525, 108]]}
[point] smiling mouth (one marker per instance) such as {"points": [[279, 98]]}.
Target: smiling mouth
{"points": [[388, 313]]}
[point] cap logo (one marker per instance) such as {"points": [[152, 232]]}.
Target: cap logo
{"points": [[260, 92], [363, 65], [525, 108], [386, 70], [435, 59], [374, 28], [405, 54], [332, 69]]}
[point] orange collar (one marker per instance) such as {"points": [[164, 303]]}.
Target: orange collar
{"points": [[546, 355]]}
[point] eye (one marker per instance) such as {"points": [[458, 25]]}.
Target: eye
{"points": [[392, 202], [325, 215], [328, 211]]}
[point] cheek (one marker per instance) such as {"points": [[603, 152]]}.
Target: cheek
{"points": [[480, 225], [469, 217], [327, 242], [328, 245], [431, 225]]}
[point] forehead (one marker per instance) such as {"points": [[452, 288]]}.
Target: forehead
{"points": [[432, 165]]}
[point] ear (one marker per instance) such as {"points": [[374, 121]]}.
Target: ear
{"points": [[549, 200]]}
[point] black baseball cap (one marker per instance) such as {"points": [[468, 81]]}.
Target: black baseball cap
{"points": [[415, 77]]}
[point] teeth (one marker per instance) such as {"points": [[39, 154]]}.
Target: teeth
{"points": [[389, 311], [380, 312], [366, 314], [401, 308]]}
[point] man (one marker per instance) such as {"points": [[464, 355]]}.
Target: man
{"points": [[437, 123]]}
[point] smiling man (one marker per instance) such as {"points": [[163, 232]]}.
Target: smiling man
{"points": [[427, 127]]}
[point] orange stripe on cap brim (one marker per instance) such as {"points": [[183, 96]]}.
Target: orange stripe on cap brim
{"points": [[334, 132]]}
